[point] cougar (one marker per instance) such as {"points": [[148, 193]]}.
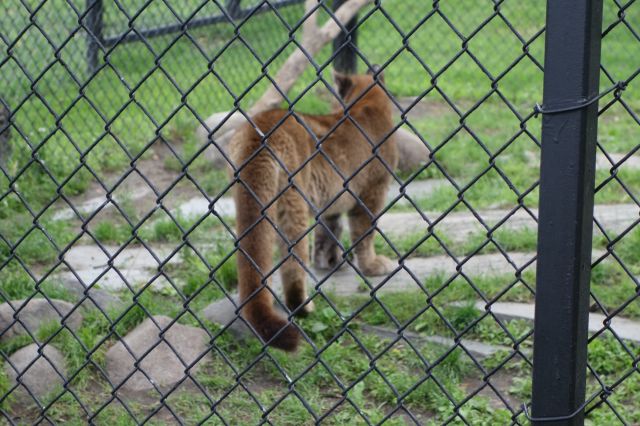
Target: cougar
{"points": [[291, 175]]}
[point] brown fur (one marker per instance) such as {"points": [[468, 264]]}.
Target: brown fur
{"points": [[264, 177]]}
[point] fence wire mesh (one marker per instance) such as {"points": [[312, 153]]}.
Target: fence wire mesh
{"points": [[118, 239], [615, 255]]}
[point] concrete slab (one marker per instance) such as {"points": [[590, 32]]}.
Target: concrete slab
{"points": [[135, 264], [474, 347], [346, 281], [625, 328], [458, 226], [225, 206]]}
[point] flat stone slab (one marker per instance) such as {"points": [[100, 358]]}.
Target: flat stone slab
{"points": [[40, 377], [196, 207], [18, 314], [223, 313], [100, 202], [346, 281], [165, 364], [602, 162], [625, 328], [96, 298], [225, 206], [133, 265], [458, 226], [474, 347]]}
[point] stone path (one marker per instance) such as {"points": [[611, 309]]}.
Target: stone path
{"points": [[458, 225], [346, 281], [633, 162], [475, 348], [137, 265], [223, 312], [196, 207], [134, 264], [133, 193], [602, 162]]}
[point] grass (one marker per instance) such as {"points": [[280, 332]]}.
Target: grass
{"points": [[73, 133], [15, 284], [345, 363], [345, 368], [344, 371], [133, 70]]}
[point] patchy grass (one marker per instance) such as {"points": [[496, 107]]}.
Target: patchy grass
{"points": [[345, 371], [491, 129], [16, 283], [343, 358]]}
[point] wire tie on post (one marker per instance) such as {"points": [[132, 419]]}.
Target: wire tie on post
{"points": [[574, 105], [550, 419]]}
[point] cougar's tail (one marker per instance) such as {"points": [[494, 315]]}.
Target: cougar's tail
{"points": [[259, 179]]}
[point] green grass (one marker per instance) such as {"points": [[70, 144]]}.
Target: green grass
{"points": [[16, 283], [133, 70], [344, 370], [345, 367]]}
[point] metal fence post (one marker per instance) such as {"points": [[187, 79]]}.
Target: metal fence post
{"points": [[233, 9], [5, 145], [95, 10], [569, 128], [346, 60]]}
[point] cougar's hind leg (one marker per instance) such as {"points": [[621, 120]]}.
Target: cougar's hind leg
{"points": [[293, 220], [361, 223], [326, 251]]}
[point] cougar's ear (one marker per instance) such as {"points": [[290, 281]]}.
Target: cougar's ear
{"points": [[376, 70], [344, 83]]}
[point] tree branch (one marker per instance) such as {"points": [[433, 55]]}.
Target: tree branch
{"points": [[313, 40]]}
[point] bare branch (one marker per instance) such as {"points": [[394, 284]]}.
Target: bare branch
{"points": [[412, 150], [298, 61], [310, 25]]}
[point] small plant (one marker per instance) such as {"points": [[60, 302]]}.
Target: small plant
{"points": [[521, 387], [323, 324], [462, 316], [110, 232]]}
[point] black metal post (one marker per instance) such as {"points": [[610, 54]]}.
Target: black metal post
{"points": [[94, 24], [569, 127], [346, 61], [233, 9], [5, 147]]}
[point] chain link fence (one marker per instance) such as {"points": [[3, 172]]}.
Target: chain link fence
{"points": [[617, 250], [119, 237]]}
